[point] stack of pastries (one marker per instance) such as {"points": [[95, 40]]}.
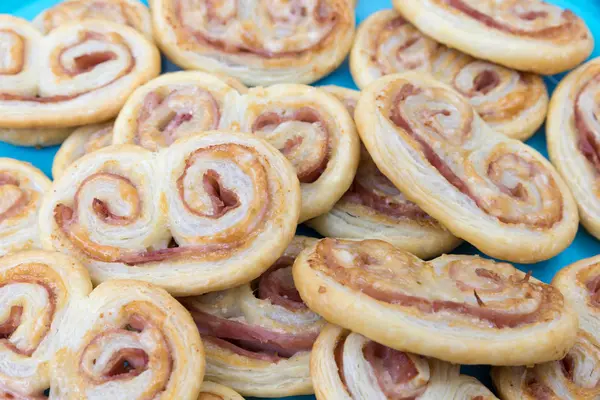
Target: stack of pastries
{"points": [[163, 260]]}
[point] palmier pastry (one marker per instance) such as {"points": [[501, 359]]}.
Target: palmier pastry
{"points": [[573, 135], [461, 309], [126, 12], [34, 137], [346, 366], [577, 376], [261, 43], [172, 106], [210, 212], [127, 340], [497, 193], [82, 141], [22, 187], [313, 130], [512, 103], [214, 391], [36, 289], [258, 336], [374, 209], [528, 35], [76, 75]]}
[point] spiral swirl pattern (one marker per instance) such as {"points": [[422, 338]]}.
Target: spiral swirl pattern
{"points": [[224, 208], [573, 136], [128, 340], [497, 193], [527, 35], [314, 132], [513, 103], [22, 187], [462, 309], [259, 335], [346, 366], [76, 75], [125, 12], [577, 375], [36, 290], [373, 208], [259, 42], [174, 106]]}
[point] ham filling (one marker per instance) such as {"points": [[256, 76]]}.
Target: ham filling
{"points": [[12, 194], [593, 286], [588, 143]]}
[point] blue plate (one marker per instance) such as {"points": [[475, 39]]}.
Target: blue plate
{"points": [[584, 245]]}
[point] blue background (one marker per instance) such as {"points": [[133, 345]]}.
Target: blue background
{"points": [[584, 245]]}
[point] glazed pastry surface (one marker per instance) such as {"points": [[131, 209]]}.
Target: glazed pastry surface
{"points": [[527, 35], [512, 103], [497, 193], [126, 12], [210, 212], [577, 375], [127, 340], [76, 75], [373, 208], [176, 105], [259, 42], [258, 336], [347, 366], [22, 187], [36, 289], [456, 308], [82, 141], [313, 130], [573, 136]]}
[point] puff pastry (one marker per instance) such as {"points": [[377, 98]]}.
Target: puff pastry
{"points": [[461, 309], [374, 209], [259, 42], [22, 187], [577, 376], [528, 35], [497, 193], [127, 12], [34, 137], [511, 102], [214, 391], [76, 75], [258, 336], [36, 289], [175, 105], [127, 340], [313, 130], [83, 140], [345, 366], [210, 212], [573, 136]]}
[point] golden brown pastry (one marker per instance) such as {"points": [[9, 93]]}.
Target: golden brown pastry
{"points": [[258, 336], [214, 391], [82, 141], [36, 290], [345, 365], [573, 135], [76, 75], [175, 105], [457, 308], [261, 42], [127, 340], [374, 209], [495, 192], [528, 35], [34, 137], [210, 212], [313, 130], [22, 187], [127, 12], [577, 376], [511, 102]]}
